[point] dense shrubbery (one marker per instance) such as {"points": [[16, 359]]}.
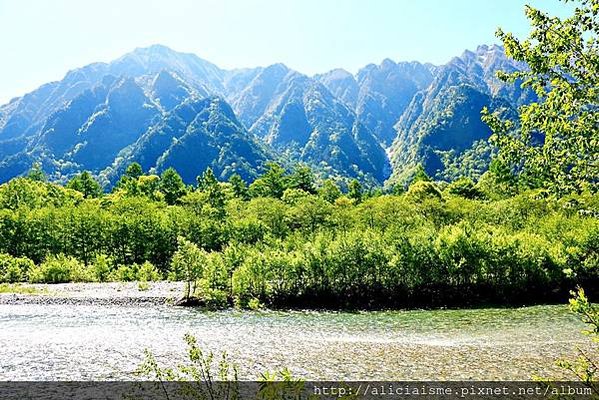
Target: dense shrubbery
{"points": [[58, 269], [296, 244], [136, 272], [14, 269]]}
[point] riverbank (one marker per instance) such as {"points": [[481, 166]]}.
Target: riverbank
{"points": [[156, 293], [169, 293], [97, 294]]}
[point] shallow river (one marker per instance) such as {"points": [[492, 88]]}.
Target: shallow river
{"points": [[48, 342]]}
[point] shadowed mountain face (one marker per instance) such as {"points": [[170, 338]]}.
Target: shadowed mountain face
{"points": [[301, 118], [442, 129], [197, 134], [168, 109]]}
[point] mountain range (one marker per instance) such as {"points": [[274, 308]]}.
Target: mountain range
{"points": [[164, 109]]}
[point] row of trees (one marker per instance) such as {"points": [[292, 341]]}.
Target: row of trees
{"points": [[288, 240]]}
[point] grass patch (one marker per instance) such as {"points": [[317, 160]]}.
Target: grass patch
{"points": [[20, 289]]}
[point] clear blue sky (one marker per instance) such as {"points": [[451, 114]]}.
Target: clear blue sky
{"points": [[42, 40]]}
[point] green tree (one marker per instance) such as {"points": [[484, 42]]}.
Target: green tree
{"points": [[422, 190], [271, 213], [355, 191], [499, 181], [20, 192], [397, 189], [172, 186], [420, 175], [271, 184], [36, 173], [329, 191], [308, 213], [86, 184], [187, 264], [502, 173], [208, 184], [206, 180], [148, 185], [303, 179], [464, 187], [239, 187], [555, 140], [134, 171], [130, 180]]}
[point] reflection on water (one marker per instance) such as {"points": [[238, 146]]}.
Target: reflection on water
{"points": [[46, 342]]}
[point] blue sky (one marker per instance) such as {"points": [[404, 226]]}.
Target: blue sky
{"points": [[42, 40]]}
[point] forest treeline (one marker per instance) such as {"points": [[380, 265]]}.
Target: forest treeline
{"points": [[289, 240]]}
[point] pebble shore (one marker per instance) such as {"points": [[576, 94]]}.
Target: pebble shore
{"points": [[108, 294]]}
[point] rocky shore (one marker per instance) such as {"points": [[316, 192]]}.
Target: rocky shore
{"points": [[109, 294]]}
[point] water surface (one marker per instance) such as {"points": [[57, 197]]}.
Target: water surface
{"points": [[57, 342]]}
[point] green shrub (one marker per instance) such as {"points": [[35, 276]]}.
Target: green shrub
{"points": [[250, 280], [14, 269], [465, 187], [421, 190], [188, 261], [101, 268], [60, 269], [188, 264], [12, 274], [215, 275], [147, 272], [254, 304], [124, 273], [214, 298]]}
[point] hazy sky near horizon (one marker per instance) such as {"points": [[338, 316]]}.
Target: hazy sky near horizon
{"points": [[42, 40]]}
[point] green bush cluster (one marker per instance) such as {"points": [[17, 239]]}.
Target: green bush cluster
{"points": [[144, 272], [458, 264], [14, 269], [394, 256], [62, 269], [58, 269]]}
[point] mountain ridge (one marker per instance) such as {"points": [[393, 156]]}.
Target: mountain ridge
{"points": [[340, 123]]}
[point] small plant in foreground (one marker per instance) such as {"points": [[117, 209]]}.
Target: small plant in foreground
{"points": [[204, 378], [198, 374], [586, 366]]}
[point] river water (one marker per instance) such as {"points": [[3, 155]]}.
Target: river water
{"points": [[83, 342]]}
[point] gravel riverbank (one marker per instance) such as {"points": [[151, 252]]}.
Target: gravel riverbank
{"points": [[108, 293]]}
